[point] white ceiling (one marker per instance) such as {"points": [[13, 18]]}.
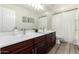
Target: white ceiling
{"points": [[50, 8], [60, 7], [26, 6]]}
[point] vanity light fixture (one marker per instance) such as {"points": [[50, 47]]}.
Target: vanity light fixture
{"points": [[62, 9], [37, 6]]}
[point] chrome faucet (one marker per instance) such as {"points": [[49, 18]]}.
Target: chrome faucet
{"points": [[43, 29], [24, 31]]}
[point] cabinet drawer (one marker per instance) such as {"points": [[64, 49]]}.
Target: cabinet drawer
{"points": [[24, 50], [17, 46], [39, 39]]}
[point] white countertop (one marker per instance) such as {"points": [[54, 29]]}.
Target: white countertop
{"points": [[9, 38]]}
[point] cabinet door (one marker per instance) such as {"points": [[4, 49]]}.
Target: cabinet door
{"points": [[25, 50], [41, 48], [49, 40], [53, 40]]}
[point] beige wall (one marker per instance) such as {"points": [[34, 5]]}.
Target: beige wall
{"points": [[20, 12]]}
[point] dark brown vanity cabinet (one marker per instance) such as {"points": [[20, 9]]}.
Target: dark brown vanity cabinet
{"points": [[38, 45]]}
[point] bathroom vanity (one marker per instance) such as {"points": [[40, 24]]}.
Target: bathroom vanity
{"points": [[35, 44]]}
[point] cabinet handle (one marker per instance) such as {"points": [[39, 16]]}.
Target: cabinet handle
{"points": [[32, 50], [4, 52], [35, 50]]}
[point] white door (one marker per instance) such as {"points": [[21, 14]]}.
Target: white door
{"points": [[65, 25]]}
